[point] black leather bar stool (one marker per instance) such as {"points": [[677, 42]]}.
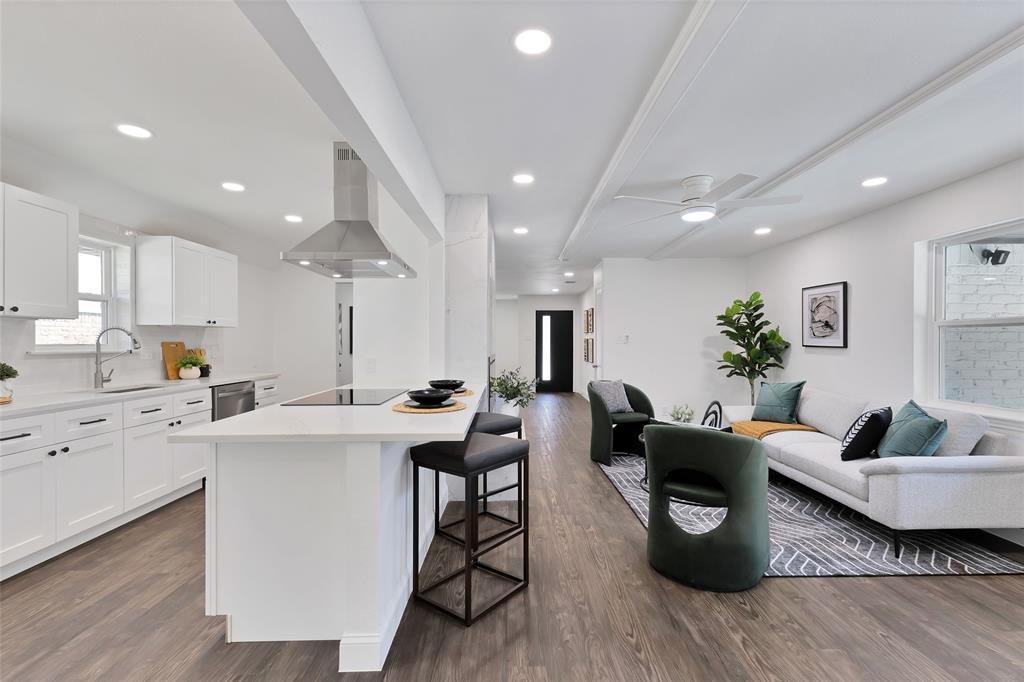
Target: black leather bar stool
{"points": [[478, 454], [498, 424]]}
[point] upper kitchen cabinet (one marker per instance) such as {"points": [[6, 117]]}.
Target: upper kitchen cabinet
{"points": [[38, 256], [179, 282]]}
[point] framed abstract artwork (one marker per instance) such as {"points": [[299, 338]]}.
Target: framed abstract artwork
{"points": [[824, 319]]}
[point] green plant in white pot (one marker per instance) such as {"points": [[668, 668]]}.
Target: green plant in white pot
{"points": [[7, 374], [188, 366], [513, 390]]}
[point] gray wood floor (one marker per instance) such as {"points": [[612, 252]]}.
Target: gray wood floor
{"points": [[129, 606]]}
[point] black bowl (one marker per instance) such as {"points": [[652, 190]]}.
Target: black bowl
{"points": [[430, 396], [450, 384]]}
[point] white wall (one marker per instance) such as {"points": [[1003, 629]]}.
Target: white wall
{"points": [[506, 335], [302, 327], [468, 261], [657, 328], [874, 253]]}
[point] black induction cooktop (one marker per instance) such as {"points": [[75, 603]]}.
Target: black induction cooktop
{"points": [[349, 396]]}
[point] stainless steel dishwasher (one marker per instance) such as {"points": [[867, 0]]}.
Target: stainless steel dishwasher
{"points": [[232, 399]]}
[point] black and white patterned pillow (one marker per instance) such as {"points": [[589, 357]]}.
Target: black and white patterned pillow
{"points": [[865, 434]]}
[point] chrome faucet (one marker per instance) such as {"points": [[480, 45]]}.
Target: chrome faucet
{"points": [[101, 378]]}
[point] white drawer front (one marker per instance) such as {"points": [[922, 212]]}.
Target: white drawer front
{"points": [[194, 401], [267, 401], [266, 388], [24, 433], [87, 421], [146, 410]]}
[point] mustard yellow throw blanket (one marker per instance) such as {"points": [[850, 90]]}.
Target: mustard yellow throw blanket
{"points": [[759, 430]]}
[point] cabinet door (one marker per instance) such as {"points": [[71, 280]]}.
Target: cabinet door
{"points": [[190, 458], [147, 463], [191, 302], [40, 255], [90, 482], [222, 288], [27, 510]]}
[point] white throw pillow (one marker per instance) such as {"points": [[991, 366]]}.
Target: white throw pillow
{"points": [[613, 393], [965, 429]]}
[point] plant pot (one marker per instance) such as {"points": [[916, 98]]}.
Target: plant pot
{"points": [[204, 371], [6, 391], [188, 373], [503, 407]]}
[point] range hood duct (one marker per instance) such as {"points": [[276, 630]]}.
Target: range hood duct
{"points": [[350, 246]]}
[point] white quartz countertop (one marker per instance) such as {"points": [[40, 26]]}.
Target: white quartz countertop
{"points": [[344, 423], [29, 404]]}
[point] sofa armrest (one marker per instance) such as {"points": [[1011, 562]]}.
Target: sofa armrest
{"points": [[965, 464], [738, 413]]}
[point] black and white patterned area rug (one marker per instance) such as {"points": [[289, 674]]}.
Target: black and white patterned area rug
{"points": [[813, 536]]}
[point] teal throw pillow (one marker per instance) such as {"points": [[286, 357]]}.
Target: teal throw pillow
{"points": [[777, 402], [912, 433]]}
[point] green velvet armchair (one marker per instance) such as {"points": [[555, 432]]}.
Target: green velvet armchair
{"points": [[625, 436], [712, 468]]}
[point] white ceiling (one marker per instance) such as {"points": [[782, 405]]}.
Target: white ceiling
{"points": [[219, 102]]}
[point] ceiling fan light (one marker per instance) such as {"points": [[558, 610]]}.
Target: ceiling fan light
{"points": [[698, 214]]}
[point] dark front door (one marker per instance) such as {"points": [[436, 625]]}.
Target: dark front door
{"points": [[554, 350]]}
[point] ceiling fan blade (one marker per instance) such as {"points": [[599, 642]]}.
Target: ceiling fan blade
{"points": [[727, 187], [653, 217], [758, 201], [650, 199]]}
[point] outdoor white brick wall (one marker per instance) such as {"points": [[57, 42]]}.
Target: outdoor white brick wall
{"points": [[984, 364]]}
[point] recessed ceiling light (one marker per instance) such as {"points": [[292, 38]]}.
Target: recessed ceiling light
{"points": [[522, 179], [874, 182], [698, 214], [382, 262], [521, 230], [293, 218], [569, 274], [533, 41], [763, 231], [233, 186], [336, 276], [303, 262], [554, 290], [401, 275], [134, 131]]}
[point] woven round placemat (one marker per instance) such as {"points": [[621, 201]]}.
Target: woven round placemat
{"points": [[402, 407], [465, 394]]}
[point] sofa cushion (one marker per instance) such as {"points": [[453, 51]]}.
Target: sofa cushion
{"points": [[774, 443], [777, 402], [865, 434], [913, 433], [821, 461], [613, 393], [965, 430], [830, 413]]}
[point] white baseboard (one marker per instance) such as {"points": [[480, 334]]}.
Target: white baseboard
{"points": [[1014, 535], [54, 550]]}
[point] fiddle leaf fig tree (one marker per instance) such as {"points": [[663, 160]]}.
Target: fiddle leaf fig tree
{"points": [[761, 348]]}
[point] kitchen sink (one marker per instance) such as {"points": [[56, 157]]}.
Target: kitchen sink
{"points": [[129, 389]]}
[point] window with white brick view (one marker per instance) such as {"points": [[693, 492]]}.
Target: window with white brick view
{"points": [[96, 305], [980, 320]]}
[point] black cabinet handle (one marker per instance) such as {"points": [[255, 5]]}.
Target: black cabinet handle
{"points": [[65, 449], [170, 423], [52, 453], [1, 308], [178, 422], [20, 435], [193, 402], [14, 308], [155, 409], [209, 322], [94, 421]]}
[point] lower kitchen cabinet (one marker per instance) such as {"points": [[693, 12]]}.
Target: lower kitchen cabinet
{"points": [[90, 482], [27, 511], [189, 459], [148, 466]]}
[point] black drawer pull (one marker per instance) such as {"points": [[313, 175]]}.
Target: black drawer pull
{"points": [[94, 421], [65, 449], [155, 409], [170, 423], [178, 422], [52, 453], [20, 435], [194, 402], [269, 388]]}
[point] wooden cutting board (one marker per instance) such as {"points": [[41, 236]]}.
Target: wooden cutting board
{"points": [[173, 351]]}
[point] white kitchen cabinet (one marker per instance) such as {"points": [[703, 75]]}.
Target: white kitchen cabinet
{"points": [[148, 466], [28, 519], [179, 282], [90, 482], [189, 459], [267, 393], [38, 256]]}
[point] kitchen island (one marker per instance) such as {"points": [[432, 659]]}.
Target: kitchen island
{"points": [[308, 521]]}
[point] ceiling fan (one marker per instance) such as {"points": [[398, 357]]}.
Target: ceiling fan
{"points": [[702, 202]]}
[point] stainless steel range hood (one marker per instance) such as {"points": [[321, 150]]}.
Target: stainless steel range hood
{"points": [[349, 246]]}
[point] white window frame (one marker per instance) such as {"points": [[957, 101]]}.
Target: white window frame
{"points": [[108, 299], [930, 320]]}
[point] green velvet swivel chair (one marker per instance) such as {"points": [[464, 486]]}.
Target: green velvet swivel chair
{"points": [[711, 468], [625, 436]]}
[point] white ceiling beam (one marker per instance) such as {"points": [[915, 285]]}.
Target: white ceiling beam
{"points": [[981, 60], [701, 34], [331, 49]]}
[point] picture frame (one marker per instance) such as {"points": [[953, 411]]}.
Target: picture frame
{"points": [[824, 316]]}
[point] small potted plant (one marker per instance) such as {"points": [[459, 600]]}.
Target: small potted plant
{"points": [[204, 369], [188, 366], [7, 374], [681, 413], [512, 391]]}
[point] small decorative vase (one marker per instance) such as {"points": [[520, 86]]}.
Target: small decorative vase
{"points": [[6, 392], [188, 373], [204, 370]]}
